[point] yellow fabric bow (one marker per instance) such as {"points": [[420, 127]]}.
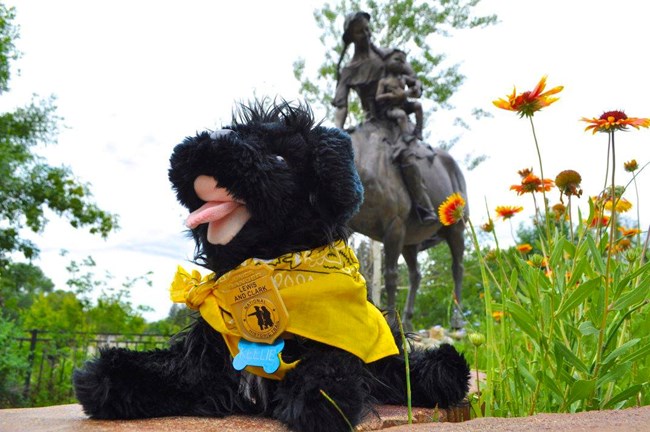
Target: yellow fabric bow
{"points": [[191, 289], [323, 291]]}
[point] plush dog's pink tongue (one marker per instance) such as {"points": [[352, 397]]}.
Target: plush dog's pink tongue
{"points": [[209, 212], [224, 216]]}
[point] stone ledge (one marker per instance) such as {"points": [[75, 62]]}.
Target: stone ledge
{"points": [[70, 418], [624, 420]]}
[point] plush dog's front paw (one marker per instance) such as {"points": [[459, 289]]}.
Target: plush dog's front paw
{"points": [[96, 389], [123, 384], [440, 376], [302, 405]]}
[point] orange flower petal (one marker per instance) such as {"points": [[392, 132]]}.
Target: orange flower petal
{"points": [[452, 209], [527, 103]]}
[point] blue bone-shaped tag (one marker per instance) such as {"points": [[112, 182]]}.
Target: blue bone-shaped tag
{"points": [[258, 354]]}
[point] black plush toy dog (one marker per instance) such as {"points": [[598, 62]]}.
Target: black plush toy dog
{"points": [[284, 321]]}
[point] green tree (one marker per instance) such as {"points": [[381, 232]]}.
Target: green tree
{"points": [[8, 52], [107, 306], [12, 365], [57, 311], [28, 184], [20, 284], [405, 24], [113, 312], [91, 303]]}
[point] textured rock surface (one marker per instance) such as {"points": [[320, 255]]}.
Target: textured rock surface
{"points": [[70, 418], [627, 420]]}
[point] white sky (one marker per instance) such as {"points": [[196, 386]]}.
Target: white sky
{"points": [[133, 78]]}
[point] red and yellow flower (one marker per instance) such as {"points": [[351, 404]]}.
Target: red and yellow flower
{"points": [[452, 210], [559, 210], [531, 183], [598, 220], [621, 245], [631, 166], [491, 255], [525, 172], [538, 261], [568, 181], [488, 226], [529, 102], [613, 121], [506, 212], [524, 248], [629, 232], [622, 205]]}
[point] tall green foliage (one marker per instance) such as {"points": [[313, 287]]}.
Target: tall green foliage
{"points": [[566, 316]]}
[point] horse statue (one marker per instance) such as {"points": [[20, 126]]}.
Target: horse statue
{"points": [[405, 180], [387, 215]]}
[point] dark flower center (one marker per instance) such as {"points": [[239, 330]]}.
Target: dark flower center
{"points": [[617, 115]]}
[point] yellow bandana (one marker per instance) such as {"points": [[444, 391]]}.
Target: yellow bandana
{"points": [[322, 290]]}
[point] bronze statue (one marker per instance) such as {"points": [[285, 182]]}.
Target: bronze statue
{"points": [[363, 74], [394, 91], [405, 180]]}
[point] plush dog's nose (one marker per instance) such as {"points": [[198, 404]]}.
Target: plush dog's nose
{"points": [[207, 188]]}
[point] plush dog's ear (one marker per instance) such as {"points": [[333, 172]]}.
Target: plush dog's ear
{"points": [[338, 192]]}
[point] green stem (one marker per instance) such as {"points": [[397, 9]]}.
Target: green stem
{"points": [[618, 324], [612, 222], [638, 210], [533, 403], [541, 173], [609, 135], [478, 384], [408, 370], [610, 386], [491, 349], [326, 396], [501, 265], [645, 246], [539, 155], [570, 220]]}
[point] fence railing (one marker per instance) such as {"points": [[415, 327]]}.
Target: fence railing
{"points": [[52, 357]]}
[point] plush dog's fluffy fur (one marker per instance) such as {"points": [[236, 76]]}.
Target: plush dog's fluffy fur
{"points": [[299, 186]]}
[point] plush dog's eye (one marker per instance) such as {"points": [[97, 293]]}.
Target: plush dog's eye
{"points": [[280, 158]]}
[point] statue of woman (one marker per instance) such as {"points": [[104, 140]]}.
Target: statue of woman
{"points": [[362, 74]]}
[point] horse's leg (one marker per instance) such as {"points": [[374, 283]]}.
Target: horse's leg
{"points": [[410, 254], [456, 242], [393, 242]]}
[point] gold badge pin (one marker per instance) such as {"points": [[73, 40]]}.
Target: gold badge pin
{"points": [[255, 303]]}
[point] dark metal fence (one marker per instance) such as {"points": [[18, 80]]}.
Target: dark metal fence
{"points": [[52, 357]]}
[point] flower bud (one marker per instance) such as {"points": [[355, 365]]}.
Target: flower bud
{"points": [[477, 339]]}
